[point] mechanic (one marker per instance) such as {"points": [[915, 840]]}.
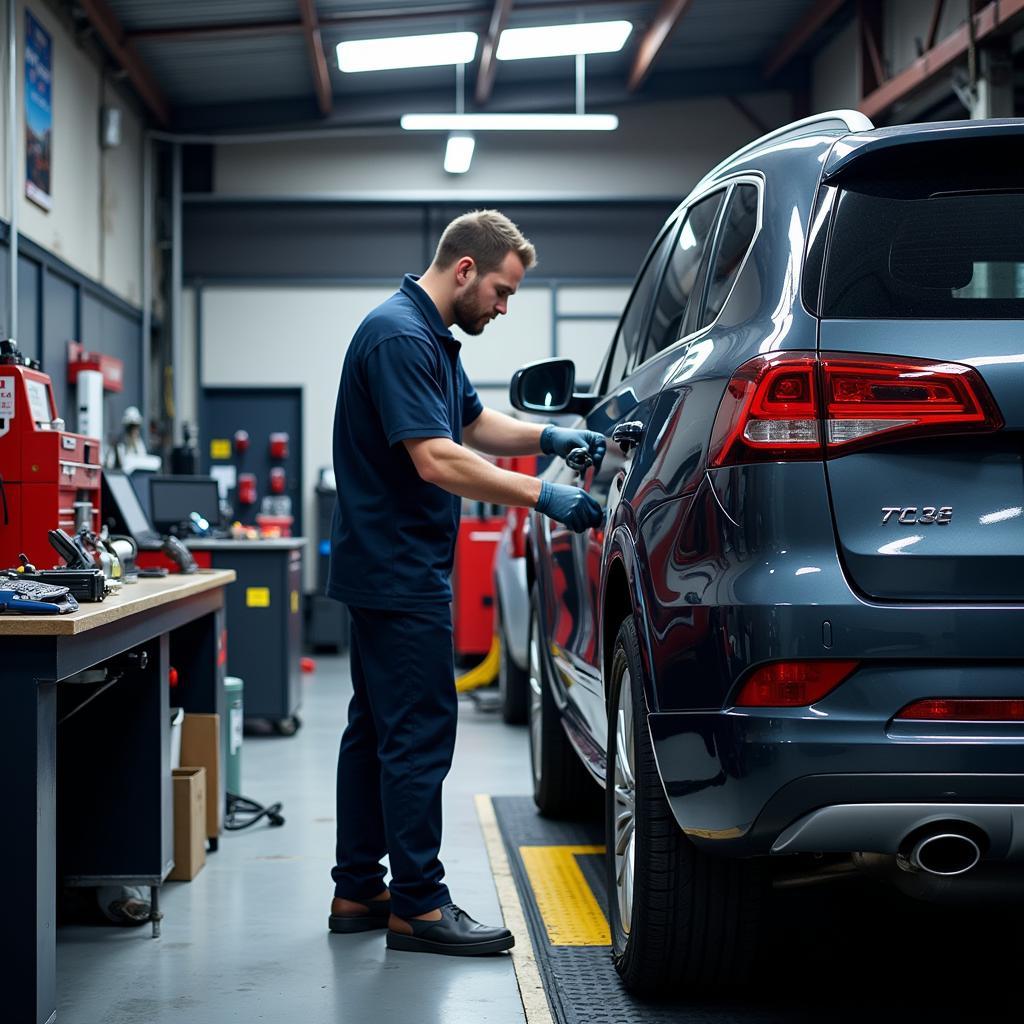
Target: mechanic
{"points": [[406, 419]]}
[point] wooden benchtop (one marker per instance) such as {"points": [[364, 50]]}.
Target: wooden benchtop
{"points": [[132, 599]]}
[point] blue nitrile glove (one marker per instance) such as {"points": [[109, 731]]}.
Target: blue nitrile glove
{"points": [[571, 506], [562, 440]]}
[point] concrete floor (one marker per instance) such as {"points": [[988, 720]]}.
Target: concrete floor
{"points": [[247, 939]]}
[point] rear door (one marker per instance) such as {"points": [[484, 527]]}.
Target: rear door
{"points": [[926, 274]]}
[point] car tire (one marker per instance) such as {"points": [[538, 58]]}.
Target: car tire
{"points": [[562, 787], [691, 921], [513, 682]]}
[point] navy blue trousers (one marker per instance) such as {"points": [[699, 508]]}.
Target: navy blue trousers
{"points": [[394, 756]]}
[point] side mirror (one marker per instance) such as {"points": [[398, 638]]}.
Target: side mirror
{"points": [[546, 387]]}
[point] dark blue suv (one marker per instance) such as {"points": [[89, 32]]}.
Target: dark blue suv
{"points": [[799, 635]]}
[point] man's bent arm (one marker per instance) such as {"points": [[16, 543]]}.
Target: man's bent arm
{"points": [[497, 434], [440, 461]]}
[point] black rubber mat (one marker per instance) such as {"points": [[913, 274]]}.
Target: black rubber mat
{"points": [[853, 951]]}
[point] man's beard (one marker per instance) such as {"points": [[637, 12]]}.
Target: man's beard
{"points": [[469, 316]]}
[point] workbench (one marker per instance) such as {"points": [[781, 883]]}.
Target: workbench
{"points": [[111, 738]]}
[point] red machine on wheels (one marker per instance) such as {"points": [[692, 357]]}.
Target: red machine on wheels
{"points": [[473, 575], [44, 469]]}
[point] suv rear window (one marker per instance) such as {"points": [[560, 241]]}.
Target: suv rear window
{"points": [[946, 256]]}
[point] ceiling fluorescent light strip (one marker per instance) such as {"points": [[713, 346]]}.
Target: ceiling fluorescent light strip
{"points": [[510, 122], [407, 52], [563, 40]]}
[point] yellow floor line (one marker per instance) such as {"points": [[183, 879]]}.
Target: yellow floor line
{"points": [[531, 988], [572, 916]]}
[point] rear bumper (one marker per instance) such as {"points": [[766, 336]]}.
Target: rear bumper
{"points": [[737, 779], [887, 828]]}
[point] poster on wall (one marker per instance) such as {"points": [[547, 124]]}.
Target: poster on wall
{"points": [[38, 112]]}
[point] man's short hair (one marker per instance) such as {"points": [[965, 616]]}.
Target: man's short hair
{"points": [[488, 237]]}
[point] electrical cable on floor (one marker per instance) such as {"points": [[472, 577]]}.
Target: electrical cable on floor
{"points": [[243, 812]]}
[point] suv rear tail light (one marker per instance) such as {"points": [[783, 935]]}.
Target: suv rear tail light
{"points": [[792, 684], [940, 709], [789, 406]]}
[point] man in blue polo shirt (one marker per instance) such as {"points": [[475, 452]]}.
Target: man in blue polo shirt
{"points": [[406, 413]]}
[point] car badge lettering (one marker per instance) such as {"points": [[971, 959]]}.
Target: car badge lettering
{"points": [[911, 515]]}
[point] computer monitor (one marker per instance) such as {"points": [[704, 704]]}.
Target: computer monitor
{"points": [[173, 499], [123, 509]]}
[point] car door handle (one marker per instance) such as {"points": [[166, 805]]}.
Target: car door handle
{"points": [[627, 435]]}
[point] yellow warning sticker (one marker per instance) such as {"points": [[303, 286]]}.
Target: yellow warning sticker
{"points": [[295, 601], [220, 448], [257, 597], [572, 916]]}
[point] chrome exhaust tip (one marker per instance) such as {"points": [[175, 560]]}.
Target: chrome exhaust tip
{"points": [[943, 852]]}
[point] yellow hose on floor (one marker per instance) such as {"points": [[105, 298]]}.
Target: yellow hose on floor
{"points": [[484, 674]]}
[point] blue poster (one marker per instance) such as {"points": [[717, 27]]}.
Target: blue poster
{"points": [[38, 112]]}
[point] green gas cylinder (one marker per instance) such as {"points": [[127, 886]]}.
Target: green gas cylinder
{"points": [[233, 687]]}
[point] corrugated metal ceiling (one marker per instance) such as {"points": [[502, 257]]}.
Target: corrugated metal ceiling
{"points": [[267, 57]]}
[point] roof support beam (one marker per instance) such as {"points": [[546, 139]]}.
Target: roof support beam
{"points": [[488, 63], [801, 34], [317, 61], [933, 28], [665, 22], [997, 17], [109, 29]]}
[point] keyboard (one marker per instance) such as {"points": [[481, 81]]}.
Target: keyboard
{"points": [[30, 597]]}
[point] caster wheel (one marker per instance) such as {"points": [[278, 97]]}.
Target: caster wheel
{"points": [[287, 726]]}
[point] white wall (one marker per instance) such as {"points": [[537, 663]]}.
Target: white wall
{"points": [[95, 222], [659, 150]]}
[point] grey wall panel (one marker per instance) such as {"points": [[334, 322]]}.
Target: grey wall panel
{"points": [[358, 242], [29, 307], [60, 325], [579, 239], [301, 241]]}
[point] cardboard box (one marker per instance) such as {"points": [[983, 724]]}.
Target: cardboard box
{"points": [[200, 748], [189, 823]]}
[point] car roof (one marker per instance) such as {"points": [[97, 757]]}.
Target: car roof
{"points": [[829, 126]]}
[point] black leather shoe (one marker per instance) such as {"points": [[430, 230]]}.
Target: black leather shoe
{"points": [[455, 934], [376, 916]]}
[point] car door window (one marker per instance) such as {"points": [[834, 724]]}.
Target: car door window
{"points": [[627, 341], [738, 229], [682, 284]]}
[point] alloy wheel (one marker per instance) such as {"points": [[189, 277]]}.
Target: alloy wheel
{"points": [[536, 708], [625, 802]]}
